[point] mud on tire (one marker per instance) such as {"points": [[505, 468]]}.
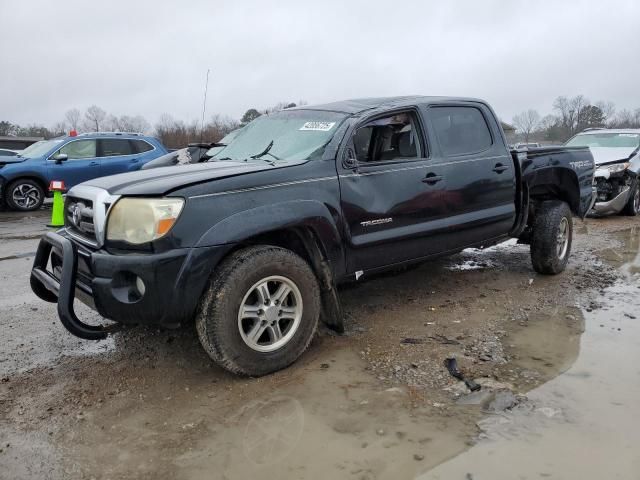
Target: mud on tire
{"points": [[239, 281], [551, 238]]}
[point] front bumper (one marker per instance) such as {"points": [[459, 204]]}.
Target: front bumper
{"points": [[615, 205], [173, 282]]}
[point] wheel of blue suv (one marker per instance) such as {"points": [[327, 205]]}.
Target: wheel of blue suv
{"points": [[260, 310], [551, 237], [24, 195]]}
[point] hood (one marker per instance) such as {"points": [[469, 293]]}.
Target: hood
{"points": [[4, 160], [159, 181], [602, 155]]}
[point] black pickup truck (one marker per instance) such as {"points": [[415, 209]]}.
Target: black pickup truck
{"points": [[253, 244]]}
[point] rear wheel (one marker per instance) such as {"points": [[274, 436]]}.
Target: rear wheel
{"points": [[632, 208], [551, 237], [24, 195], [260, 311]]}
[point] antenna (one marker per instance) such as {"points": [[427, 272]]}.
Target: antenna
{"points": [[204, 104]]}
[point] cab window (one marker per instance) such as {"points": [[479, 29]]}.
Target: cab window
{"points": [[393, 137], [460, 130], [79, 149]]}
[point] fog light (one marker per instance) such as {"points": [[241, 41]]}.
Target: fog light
{"points": [[140, 286], [127, 287]]}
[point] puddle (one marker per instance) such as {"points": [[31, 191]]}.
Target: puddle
{"points": [[585, 423]]}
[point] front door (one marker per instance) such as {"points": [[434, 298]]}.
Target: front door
{"points": [[82, 163], [391, 193]]}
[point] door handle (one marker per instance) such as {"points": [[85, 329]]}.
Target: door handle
{"points": [[94, 164], [431, 178], [499, 168], [134, 160]]}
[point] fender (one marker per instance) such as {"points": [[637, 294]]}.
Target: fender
{"points": [[283, 215], [564, 182]]}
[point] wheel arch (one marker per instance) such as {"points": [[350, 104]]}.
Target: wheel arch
{"points": [[555, 183], [305, 227], [39, 180]]}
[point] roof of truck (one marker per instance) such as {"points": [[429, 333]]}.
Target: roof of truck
{"points": [[359, 105]]}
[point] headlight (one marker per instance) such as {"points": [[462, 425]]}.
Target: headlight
{"points": [[142, 220], [616, 167]]}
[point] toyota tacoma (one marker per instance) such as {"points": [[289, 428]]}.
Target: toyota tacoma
{"points": [[251, 247]]}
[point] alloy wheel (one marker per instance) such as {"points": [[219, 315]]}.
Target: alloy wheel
{"points": [[25, 195], [270, 313], [563, 238]]}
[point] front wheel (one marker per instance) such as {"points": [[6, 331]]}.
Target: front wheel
{"points": [[551, 238], [24, 195], [260, 311]]}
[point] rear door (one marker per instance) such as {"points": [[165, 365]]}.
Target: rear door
{"points": [[82, 162], [117, 155], [481, 187], [392, 192]]}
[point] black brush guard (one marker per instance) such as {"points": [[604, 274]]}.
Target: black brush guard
{"points": [[46, 286]]}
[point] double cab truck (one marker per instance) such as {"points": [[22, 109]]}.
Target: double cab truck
{"points": [[252, 244], [73, 159]]}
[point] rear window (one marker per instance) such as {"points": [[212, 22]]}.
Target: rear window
{"points": [[112, 147], [140, 146], [460, 130]]}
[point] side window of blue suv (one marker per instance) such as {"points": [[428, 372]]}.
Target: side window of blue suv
{"points": [[112, 147], [79, 149]]}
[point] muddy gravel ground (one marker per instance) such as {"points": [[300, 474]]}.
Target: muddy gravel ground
{"points": [[375, 403]]}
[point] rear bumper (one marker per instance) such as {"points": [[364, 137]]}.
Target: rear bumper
{"points": [[158, 289]]}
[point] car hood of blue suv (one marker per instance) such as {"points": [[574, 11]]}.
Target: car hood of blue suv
{"points": [[11, 159]]}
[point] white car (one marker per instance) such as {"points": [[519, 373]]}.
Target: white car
{"points": [[616, 153], [5, 152], [521, 146]]}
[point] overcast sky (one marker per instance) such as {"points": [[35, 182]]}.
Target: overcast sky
{"points": [[150, 57]]}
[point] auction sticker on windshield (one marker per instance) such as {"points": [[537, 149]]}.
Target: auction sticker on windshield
{"points": [[318, 126]]}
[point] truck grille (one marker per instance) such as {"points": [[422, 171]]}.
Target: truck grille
{"points": [[79, 218]]}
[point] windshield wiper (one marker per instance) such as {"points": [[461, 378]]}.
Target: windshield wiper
{"points": [[266, 152]]}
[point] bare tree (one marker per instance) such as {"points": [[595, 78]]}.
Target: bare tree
{"points": [[137, 124], [608, 110], [59, 129], [72, 117], [94, 116], [526, 122]]}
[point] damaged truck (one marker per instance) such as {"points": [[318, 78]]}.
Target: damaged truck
{"points": [[251, 247], [617, 157]]}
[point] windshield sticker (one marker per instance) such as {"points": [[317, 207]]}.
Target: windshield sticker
{"points": [[318, 126]]}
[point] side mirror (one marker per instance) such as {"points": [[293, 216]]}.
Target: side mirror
{"points": [[60, 157]]}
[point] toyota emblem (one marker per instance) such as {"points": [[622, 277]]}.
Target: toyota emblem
{"points": [[76, 214]]}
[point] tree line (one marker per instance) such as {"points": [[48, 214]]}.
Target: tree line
{"points": [[570, 116], [172, 132]]}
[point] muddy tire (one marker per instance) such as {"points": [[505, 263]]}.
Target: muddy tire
{"points": [[551, 237], [24, 195], [632, 208], [260, 311]]}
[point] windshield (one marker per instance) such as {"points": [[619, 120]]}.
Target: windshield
{"points": [[224, 141], [40, 148], [608, 140], [286, 135]]}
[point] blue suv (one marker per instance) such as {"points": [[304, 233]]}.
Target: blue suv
{"points": [[24, 178]]}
